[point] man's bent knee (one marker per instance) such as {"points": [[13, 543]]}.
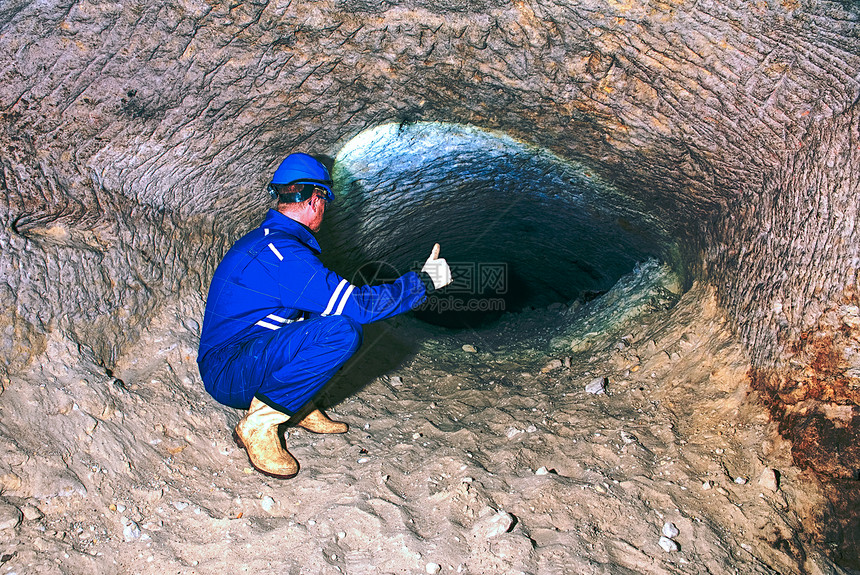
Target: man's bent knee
{"points": [[345, 330]]}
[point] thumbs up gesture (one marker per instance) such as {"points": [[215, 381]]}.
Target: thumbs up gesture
{"points": [[437, 268]]}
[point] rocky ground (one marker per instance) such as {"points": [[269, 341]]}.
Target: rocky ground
{"points": [[615, 437]]}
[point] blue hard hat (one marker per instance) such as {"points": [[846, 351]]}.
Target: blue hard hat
{"points": [[301, 168]]}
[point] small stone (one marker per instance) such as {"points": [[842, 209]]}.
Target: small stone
{"points": [[131, 532], [267, 503], [741, 480], [706, 485], [432, 568], [395, 380], [10, 482], [31, 512], [769, 480], [469, 348], [494, 525], [669, 530], [667, 544], [596, 385], [179, 505], [552, 365], [10, 516], [542, 471]]}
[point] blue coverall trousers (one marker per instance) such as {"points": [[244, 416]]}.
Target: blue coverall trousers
{"points": [[285, 369]]}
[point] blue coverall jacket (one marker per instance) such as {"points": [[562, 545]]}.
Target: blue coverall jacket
{"points": [[278, 323]]}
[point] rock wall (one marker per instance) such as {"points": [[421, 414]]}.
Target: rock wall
{"points": [[137, 138]]}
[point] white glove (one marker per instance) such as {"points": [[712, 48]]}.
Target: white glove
{"points": [[437, 268]]}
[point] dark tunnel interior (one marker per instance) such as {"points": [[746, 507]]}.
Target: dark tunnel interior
{"points": [[519, 226]]}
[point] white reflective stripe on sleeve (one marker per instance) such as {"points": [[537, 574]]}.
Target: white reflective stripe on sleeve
{"points": [[277, 253], [333, 299], [265, 231], [268, 325], [343, 299], [277, 318]]}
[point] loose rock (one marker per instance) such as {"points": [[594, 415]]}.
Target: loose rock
{"points": [[667, 544], [131, 532], [10, 516], [469, 348], [433, 568], [669, 530], [267, 503], [493, 525], [769, 480], [552, 365], [31, 512], [596, 386]]}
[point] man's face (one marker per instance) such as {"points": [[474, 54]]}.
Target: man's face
{"points": [[318, 203]]}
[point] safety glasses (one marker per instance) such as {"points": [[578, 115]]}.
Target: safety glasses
{"points": [[311, 190]]}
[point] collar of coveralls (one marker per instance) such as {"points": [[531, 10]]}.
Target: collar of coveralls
{"points": [[278, 221]]}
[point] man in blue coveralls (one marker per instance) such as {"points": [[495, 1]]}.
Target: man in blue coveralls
{"points": [[279, 324]]}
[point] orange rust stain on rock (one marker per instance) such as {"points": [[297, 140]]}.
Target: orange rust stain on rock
{"points": [[815, 401], [823, 377], [827, 446], [815, 406]]}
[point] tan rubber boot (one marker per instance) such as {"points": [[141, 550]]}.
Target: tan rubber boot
{"points": [[257, 433], [318, 422]]}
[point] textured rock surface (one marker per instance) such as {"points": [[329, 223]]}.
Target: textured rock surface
{"points": [[137, 138]]}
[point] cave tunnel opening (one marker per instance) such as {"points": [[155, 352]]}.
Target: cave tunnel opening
{"points": [[520, 227]]}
